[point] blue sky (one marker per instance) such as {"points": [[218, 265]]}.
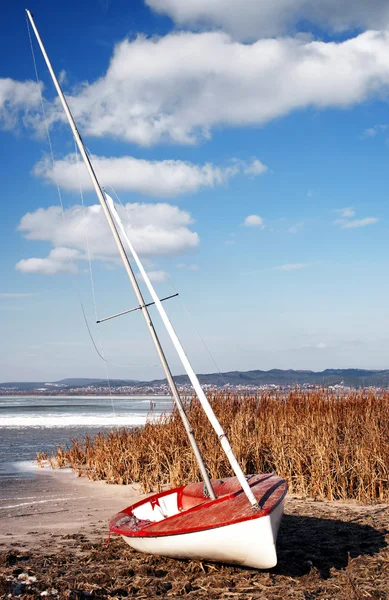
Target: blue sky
{"points": [[249, 147]]}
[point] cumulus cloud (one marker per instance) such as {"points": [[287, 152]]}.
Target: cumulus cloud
{"points": [[346, 220], [254, 168], [60, 260], [180, 86], [156, 178], [250, 19], [293, 266], [18, 99], [155, 229], [253, 221]]}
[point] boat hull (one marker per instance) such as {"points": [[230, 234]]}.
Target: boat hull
{"points": [[247, 544], [183, 523]]}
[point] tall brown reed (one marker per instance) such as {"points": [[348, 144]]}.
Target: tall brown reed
{"points": [[325, 445]]}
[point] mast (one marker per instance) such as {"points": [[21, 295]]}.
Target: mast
{"points": [[114, 222], [127, 266]]}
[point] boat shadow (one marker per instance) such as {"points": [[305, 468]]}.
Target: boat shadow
{"points": [[306, 542]]}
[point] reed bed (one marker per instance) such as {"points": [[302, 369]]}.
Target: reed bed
{"points": [[326, 445]]}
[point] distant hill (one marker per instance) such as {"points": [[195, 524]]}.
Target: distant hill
{"points": [[349, 377]]}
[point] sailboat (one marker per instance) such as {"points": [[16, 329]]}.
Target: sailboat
{"points": [[233, 520]]}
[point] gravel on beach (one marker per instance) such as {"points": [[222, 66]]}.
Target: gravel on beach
{"points": [[326, 551]]}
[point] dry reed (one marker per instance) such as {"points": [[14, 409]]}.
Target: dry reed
{"points": [[326, 445]]}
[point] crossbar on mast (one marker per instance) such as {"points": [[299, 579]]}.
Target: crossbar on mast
{"points": [[127, 265], [126, 312]]}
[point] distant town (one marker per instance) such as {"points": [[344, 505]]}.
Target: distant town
{"points": [[247, 382], [151, 390]]}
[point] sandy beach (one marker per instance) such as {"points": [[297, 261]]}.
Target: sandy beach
{"points": [[50, 504], [53, 544]]}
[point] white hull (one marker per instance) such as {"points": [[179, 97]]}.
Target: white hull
{"points": [[248, 543]]}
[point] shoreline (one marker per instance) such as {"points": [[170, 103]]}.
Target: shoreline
{"points": [[42, 503]]}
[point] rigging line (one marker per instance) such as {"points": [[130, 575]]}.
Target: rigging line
{"points": [[108, 362], [92, 279], [101, 352], [101, 355], [171, 283], [86, 232]]}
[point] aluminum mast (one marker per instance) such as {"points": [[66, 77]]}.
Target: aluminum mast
{"points": [[127, 265]]}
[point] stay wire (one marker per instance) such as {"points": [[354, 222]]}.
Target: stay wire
{"points": [[100, 354]]}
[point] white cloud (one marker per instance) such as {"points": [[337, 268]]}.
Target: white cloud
{"points": [[293, 266], [60, 260], [254, 168], [372, 131], [359, 223], [254, 221], [156, 178], [296, 227], [347, 222], [155, 229], [178, 87], [250, 19], [346, 212], [17, 99]]}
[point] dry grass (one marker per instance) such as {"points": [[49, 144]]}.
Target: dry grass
{"points": [[325, 445]]}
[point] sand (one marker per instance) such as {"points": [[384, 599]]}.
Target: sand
{"points": [[53, 544], [50, 504]]}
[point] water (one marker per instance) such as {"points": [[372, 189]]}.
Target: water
{"points": [[31, 424]]}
